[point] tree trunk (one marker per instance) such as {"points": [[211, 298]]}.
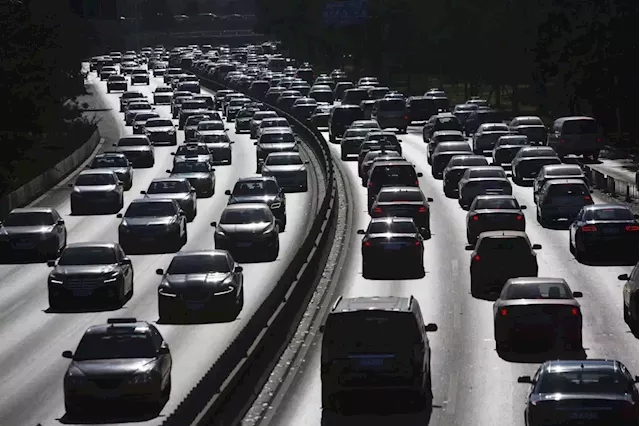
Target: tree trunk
{"points": [[515, 101]]}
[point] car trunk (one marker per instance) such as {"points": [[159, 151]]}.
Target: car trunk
{"points": [[498, 220], [528, 168], [413, 209], [587, 410]]}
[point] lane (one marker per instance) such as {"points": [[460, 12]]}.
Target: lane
{"points": [[31, 366], [472, 384]]}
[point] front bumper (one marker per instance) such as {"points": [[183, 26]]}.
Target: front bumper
{"points": [[196, 302], [142, 237], [233, 244], [29, 244], [95, 289]]}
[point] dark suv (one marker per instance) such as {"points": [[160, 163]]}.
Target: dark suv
{"points": [[390, 173], [376, 343], [341, 118]]}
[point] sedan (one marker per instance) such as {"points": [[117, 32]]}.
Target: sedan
{"points": [[219, 145], [243, 119], [443, 153], [151, 222], [320, 116], [248, 228], [98, 271], [117, 82], [288, 168], [161, 130], [140, 120], [404, 201], [192, 151], [139, 75], [134, 107], [530, 160], [494, 213], [351, 141], [256, 120], [178, 189], [485, 138], [392, 244], [482, 180], [507, 147], [630, 298], [39, 230], [163, 95], [557, 171], [96, 190], [191, 126], [540, 311], [201, 282], [116, 162], [199, 174], [456, 167], [138, 150], [374, 156], [261, 189], [129, 96]]}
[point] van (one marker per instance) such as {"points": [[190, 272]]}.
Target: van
{"points": [[562, 199], [575, 135], [391, 113], [355, 96], [390, 173], [341, 118]]}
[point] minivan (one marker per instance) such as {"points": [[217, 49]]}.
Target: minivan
{"points": [[341, 118], [575, 135], [391, 113], [562, 199], [390, 173]]}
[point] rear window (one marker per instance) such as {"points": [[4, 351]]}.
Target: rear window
{"points": [[386, 138], [539, 152], [392, 105], [392, 174], [565, 171], [529, 122], [468, 161], [363, 330], [504, 244], [404, 227], [584, 381], [538, 291], [579, 127], [277, 137], [391, 196], [496, 203], [452, 137], [348, 113], [568, 190], [608, 214]]}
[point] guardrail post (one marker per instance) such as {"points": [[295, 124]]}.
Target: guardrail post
{"points": [[611, 186], [627, 198]]}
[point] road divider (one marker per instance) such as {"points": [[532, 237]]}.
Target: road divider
{"points": [[611, 185], [229, 387]]}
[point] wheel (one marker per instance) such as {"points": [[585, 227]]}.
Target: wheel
{"points": [[502, 347], [108, 90], [625, 314], [240, 301], [274, 252], [174, 141], [54, 303], [130, 294], [429, 160], [121, 297], [448, 192], [183, 239], [332, 139], [283, 225], [164, 313], [72, 409]]}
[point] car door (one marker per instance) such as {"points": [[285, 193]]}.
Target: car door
{"points": [[127, 268], [165, 361], [59, 228], [577, 223]]}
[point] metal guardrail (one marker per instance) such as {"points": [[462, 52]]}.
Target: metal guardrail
{"points": [[231, 380], [612, 185], [192, 34]]}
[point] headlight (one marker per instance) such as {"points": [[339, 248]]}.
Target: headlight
{"points": [[55, 280], [171, 131], [220, 232], [140, 379], [268, 230], [227, 289], [165, 290], [276, 205], [75, 380], [111, 277]]}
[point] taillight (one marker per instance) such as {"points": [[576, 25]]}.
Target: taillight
{"points": [[406, 117], [631, 228], [598, 140], [589, 229], [418, 243], [378, 210], [424, 209], [519, 217], [476, 258], [575, 311], [367, 244], [476, 218], [561, 140], [417, 183], [370, 184], [503, 312], [587, 198]]}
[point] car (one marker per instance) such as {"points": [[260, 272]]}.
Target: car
{"points": [[443, 153], [561, 199], [96, 190], [200, 175], [289, 169], [192, 123], [117, 82], [456, 167], [127, 352], [530, 126], [116, 162], [351, 141], [581, 392], [321, 94], [127, 65], [442, 136], [261, 189], [193, 150], [248, 228], [171, 73], [341, 86], [494, 213], [507, 147], [381, 138], [391, 113], [485, 138], [129, 96], [33, 230], [218, 144], [192, 85], [303, 108], [482, 180], [600, 229], [630, 298], [208, 99], [275, 139], [376, 343], [320, 116], [134, 107], [138, 150], [178, 189], [287, 98], [90, 271], [207, 282], [390, 173], [177, 101], [139, 75], [404, 201], [378, 153], [234, 106], [557, 171], [479, 117], [577, 135], [243, 119], [220, 96], [256, 120], [258, 88], [341, 118], [160, 130], [529, 160], [540, 311], [439, 122], [463, 111], [149, 222], [140, 121], [355, 96], [270, 123], [273, 93], [107, 72], [191, 107], [364, 124], [498, 256]]}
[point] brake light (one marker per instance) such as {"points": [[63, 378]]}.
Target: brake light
{"points": [[503, 312], [417, 183], [406, 117], [587, 198], [519, 217], [589, 229], [574, 311], [561, 140], [378, 210], [631, 228], [370, 184], [476, 258], [598, 140], [422, 210], [418, 242], [367, 244], [476, 218]]}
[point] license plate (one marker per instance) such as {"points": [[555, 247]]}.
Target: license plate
{"points": [[82, 292], [393, 246], [537, 319], [23, 244], [244, 244], [195, 306], [370, 362], [584, 415], [610, 231]]}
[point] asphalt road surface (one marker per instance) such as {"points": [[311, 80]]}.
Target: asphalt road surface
{"points": [[472, 385], [31, 365]]}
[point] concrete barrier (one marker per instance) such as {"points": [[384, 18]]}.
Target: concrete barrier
{"points": [[48, 179]]}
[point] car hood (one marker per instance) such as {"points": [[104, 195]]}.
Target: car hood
{"points": [[94, 188], [117, 170], [195, 175], [115, 367], [162, 129], [239, 199], [244, 228], [12, 230], [218, 145], [173, 196], [209, 280], [84, 269], [284, 169], [147, 221]]}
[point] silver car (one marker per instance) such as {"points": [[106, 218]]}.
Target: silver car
{"points": [[160, 130], [118, 163], [139, 75], [137, 149], [140, 119], [248, 229], [271, 122], [191, 126], [485, 138], [134, 107], [130, 96], [276, 139], [288, 168], [163, 95], [178, 189], [194, 151], [97, 190], [199, 174], [219, 145], [256, 120], [39, 230]]}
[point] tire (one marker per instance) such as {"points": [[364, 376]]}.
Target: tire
{"points": [[72, 410], [165, 314], [240, 303], [304, 188], [502, 347], [54, 303], [174, 141], [332, 139], [449, 193], [475, 291], [329, 401], [121, 298]]}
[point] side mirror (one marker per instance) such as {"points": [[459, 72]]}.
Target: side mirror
{"points": [[524, 379], [159, 271], [168, 171], [239, 269], [636, 216], [536, 246], [120, 183], [126, 261], [227, 192], [163, 350], [469, 247], [623, 277], [70, 185], [307, 162], [143, 192], [255, 143], [119, 215], [429, 199], [231, 142], [173, 153], [400, 140], [67, 354], [431, 327], [360, 232], [51, 263], [226, 129], [214, 224], [635, 379], [419, 174], [59, 222], [523, 207], [321, 330], [577, 294], [192, 191]]}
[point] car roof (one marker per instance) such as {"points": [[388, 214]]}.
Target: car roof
{"points": [[152, 200], [503, 234], [513, 136], [606, 206], [486, 167], [170, 179], [400, 189], [577, 365], [212, 252], [565, 182], [32, 210], [536, 280], [348, 106], [97, 172], [90, 244], [111, 154], [551, 167], [276, 130], [136, 326], [247, 206], [284, 154], [496, 197], [447, 132], [256, 178], [379, 303], [392, 163], [381, 132], [389, 219], [574, 118], [129, 137]]}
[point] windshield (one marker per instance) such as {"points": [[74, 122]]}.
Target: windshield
{"points": [[583, 381], [357, 132], [115, 345], [520, 141], [75, 256], [383, 137], [283, 160], [246, 113], [399, 196], [151, 209], [364, 330], [392, 105], [533, 121], [274, 123], [579, 127], [191, 167], [539, 152], [447, 123], [163, 89], [95, 179], [198, 264], [569, 189], [391, 174], [29, 219], [192, 149], [133, 142], [195, 120], [111, 161], [255, 188], [168, 187], [237, 102], [238, 217], [468, 161], [605, 214], [277, 137], [132, 95], [217, 138], [496, 203], [487, 173], [159, 123], [404, 227], [538, 291], [451, 137], [117, 78], [495, 128]]}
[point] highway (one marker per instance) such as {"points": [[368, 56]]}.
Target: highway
{"points": [[31, 365], [472, 385]]}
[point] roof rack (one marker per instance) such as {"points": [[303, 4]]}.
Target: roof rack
{"points": [[121, 320]]}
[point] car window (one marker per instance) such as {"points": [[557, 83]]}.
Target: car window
{"points": [[115, 345], [276, 137], [255, 188], [394, 227], [96, 179], [370, 329], [191, 167], [496, 203], [237, 217], [191, 149], [133, 142], [211, 125], [504, 244], [583, 381], [159, 123], [608, 214], [75, 256], [486, 173], [393, 174], [392, 105], [538, 291], [168, 187], [567, 190], [392, 196], [579, 127], [283, 160], [29, 219], [198, 264], [110, 161], [150, 209]]}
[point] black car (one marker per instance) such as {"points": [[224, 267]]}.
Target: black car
{"points": [[379, 344], [261, 189], [98, 271], [630, 298], [96, 190], [150, 222], [390, 173], [443, 153], [455, 169], [404, 201], [557, 171], [341, 118], [392, 244], [590, 392], [506, 148], [604, 228], [440, 122], [494, 213], [481, 116], [529, 160], [243, 119], [272, 140], [204, 283], [199, 174], [498, 256], [116, 162], [125, 362], [178, 189], [191, 107], [39, 230], [161, 130]]}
